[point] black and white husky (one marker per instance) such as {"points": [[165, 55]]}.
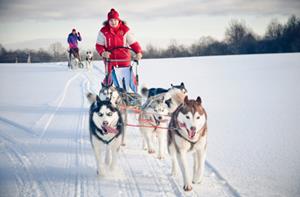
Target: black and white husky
{"points": [[154, 121], [110, 93], [106, 130], [188, 133]]}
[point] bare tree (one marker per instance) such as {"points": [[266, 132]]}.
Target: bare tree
{"points": [[56, 49], [274, 30]]}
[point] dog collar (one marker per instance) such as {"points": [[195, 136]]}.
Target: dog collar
{"points": [[178, 127], [102, 133]]}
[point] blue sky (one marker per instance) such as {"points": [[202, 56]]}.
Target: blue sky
{"points": [[153, 21]]}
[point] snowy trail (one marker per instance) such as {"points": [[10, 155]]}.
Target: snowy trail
{"points": [[44, 136], [57, 158]]}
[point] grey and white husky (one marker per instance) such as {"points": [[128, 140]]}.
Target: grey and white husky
{"points": [[106, 130], [154, 121], [173, 96], [188, 134]]}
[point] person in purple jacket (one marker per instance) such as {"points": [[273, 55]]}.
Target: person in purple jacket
{"points": [[73, 44]]}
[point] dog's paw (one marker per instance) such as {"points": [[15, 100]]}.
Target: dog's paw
{"points": [[151, 151], [187, 188]]}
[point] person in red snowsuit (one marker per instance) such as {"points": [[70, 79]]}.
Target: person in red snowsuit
{"points": [[115, 33]]}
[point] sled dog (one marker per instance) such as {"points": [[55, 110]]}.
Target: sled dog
{"points": [[106, 130], [110, 93], [188, 133], [173, 96], [154, 121], [89, 59], [156, 91]]}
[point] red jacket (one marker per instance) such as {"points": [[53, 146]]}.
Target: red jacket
{"points": [[109, 38]]}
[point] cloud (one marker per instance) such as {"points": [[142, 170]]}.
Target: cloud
{"points": [[16, 10]]}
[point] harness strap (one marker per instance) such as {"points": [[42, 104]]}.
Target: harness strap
{"points": [[101, 131], [180, 135], [176, 128]]}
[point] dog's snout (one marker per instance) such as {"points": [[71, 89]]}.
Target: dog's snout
{"points": [[193, 128], [105, 123]]}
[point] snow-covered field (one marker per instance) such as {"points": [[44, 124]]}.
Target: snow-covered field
{"points": [[253, 106]]}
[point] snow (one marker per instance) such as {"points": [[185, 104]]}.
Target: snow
{"points": [[253, 106]]}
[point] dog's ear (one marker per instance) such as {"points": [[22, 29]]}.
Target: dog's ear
{"points": [[182, 85], [199, 100], [168, 102], [186, 100]]}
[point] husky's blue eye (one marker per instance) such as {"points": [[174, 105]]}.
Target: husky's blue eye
{"points": [[100, 114], [109, 114]]}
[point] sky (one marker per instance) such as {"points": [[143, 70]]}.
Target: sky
{"points": [[36, 23]]}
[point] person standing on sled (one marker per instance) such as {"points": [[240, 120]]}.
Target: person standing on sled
{"points": [[73, 45], [115, 33]]}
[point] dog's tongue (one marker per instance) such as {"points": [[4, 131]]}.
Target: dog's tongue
{"points": [[104, 129], [108, 129], [191, 133]]}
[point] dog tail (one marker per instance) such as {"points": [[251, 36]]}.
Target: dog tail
{"points": [[144, 91], [91, 97]]}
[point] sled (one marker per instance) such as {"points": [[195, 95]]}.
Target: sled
{"points": [[132, 100]]}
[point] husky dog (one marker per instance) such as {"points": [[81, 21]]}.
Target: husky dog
{"points": [[173, 96], [156, 91], [109, 93], [106, 130], [89, 59], [154, 120], [188, 133]]}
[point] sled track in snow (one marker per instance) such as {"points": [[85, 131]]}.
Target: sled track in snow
{"points": [[222, 180], [78, 182], [18, 126], [20, 154], [132, 179], [80, 156], [161, 166], [17, 158], [60, 101]]}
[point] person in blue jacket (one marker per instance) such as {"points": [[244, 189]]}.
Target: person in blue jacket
{"points": [[73, 39]]}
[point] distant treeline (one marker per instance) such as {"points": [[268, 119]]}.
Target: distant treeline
{"points": [[239, 39], [56, 52]]}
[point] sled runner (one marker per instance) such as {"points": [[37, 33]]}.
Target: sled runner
{"points": [[124, 79], [74, 62]]}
